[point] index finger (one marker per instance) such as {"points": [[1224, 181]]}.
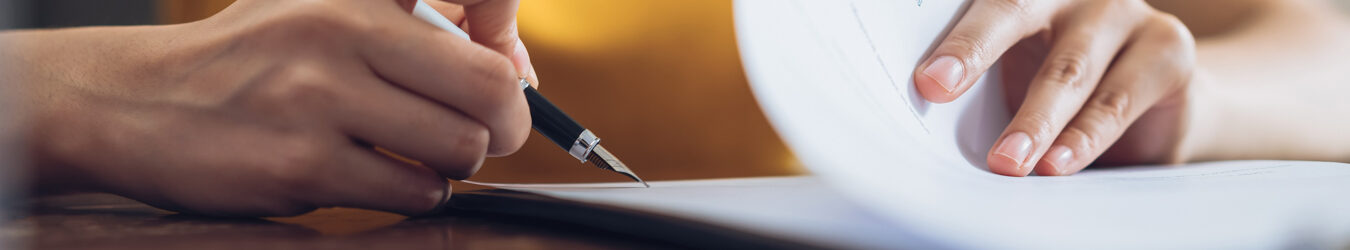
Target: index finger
{"points": [[458, 73], [985, 32], [493, 23], [519, 56]]}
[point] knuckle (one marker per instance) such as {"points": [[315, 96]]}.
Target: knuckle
{"points": [[500, 94], [304, 85], [508, 35], [496, 71], [474, 142], [1177, 43], [1111, 107], [968, 46], [1183, 73], [1066, 69], [1080, 140], [1038, 123], [517, 134], [469, 150], [1167, 28], [511, 137], [296, 165]]}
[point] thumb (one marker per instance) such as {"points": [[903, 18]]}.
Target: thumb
{"points": [[493, 23], [521, 59]]}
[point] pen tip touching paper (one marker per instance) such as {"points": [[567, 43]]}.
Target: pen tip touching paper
{"points": [[639, 180], [601, 158]]}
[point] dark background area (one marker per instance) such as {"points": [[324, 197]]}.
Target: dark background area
{"points": [[70, 13]]}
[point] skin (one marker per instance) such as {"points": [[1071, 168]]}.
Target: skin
{"points": [[1123, 82], [274, 108], [1277, 87]]}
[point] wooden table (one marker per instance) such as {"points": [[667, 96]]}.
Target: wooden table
{"points": [[100, 221]]}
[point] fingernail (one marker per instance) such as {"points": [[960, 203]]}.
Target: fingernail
{"points": [[1058, 158], [521, 59], [534, 77], [1015, 148], [947, 71]]}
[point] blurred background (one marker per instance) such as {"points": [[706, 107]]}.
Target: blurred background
{"points": [[659, 81]]}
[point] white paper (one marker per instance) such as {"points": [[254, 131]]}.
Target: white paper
{"points": [[800, 209], [834, 77]]}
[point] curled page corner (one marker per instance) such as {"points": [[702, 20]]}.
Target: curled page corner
{"points": [[835, 79]]}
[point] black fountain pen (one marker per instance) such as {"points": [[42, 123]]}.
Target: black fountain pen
{"points": [[570, 135], [548, 119]]}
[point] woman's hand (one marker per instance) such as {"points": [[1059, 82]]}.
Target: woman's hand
{"points": [[272, 107], [1111, 80]]}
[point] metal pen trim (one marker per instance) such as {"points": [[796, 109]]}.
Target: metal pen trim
{"points": [[586, 147], [584, 144]]}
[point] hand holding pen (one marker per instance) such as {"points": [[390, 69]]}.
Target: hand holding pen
{"points": [[257, 111]]}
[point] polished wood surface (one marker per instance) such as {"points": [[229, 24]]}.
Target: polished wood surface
{"points": [[98, 221]]}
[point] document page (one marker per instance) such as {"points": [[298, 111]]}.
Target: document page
{"points": [[799, 211], [834, 78]]}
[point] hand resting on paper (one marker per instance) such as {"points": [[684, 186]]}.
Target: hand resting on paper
{"points": [[271, 108], [1123, 82]]}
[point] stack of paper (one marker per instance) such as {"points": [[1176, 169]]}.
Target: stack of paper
{"points": [[834, 77]]}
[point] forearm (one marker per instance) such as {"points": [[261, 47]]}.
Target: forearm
{"points": [[59, 74], [87, 59], [1274, 88]]}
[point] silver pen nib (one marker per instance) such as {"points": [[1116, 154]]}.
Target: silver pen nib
{"points": [[602, 159]]}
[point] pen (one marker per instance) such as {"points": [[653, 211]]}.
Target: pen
{"points": [[547, 119]]}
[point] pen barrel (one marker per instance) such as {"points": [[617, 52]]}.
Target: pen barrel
{"points": [[551, 121]]}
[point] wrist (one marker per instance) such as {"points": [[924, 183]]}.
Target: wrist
{"points": [[32, 80]]}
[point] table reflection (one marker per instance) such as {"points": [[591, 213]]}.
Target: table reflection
{"points": [[97, 221]]}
